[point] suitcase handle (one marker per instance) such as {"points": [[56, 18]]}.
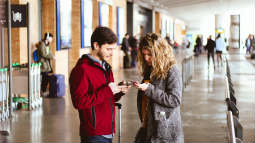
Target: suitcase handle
{"points": [[119, 105]]}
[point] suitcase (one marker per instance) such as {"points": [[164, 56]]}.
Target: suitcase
{"points": [[119, 123], [57, 85]]}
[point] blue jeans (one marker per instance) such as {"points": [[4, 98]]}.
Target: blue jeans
{"points": [[96, 139]]}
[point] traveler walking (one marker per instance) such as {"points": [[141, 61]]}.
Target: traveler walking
{"points": [[159, 95], [168, 39], [220, 46], [248, 44], [210, 46], [133, 44], [198, 47], [93, 90], [126, 49]]}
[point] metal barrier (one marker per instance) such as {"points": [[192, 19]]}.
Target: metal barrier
{"points": [[4, 99], [235, 129], [231, 129], [187, 70]]}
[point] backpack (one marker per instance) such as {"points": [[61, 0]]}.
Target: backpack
{"points": [[35, 56]]}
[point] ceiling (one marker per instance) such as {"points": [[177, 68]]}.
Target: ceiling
{"points": [[192, 10], [175, 3]]}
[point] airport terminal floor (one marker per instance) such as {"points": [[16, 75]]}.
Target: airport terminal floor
{"points": [[203, 107]]}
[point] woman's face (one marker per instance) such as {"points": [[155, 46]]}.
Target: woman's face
{"points": [[147, 56]]}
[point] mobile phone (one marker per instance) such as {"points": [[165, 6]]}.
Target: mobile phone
{"points": [[126, 83], [135, 82]]}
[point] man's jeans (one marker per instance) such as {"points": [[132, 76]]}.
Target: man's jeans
{"points": [[96, 139]]}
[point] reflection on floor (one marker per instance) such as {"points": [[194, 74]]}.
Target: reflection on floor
{"points": [[203, 108]]}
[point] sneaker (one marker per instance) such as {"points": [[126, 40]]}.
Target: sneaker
{"points": [[44, 94]]}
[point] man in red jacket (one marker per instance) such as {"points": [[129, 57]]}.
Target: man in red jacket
{"points": [[93, 90]]}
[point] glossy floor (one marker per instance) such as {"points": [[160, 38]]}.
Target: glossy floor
{"points": [[203, 108]]}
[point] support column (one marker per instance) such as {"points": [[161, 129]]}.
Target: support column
{"points": [[234, 41], [220, 24]]}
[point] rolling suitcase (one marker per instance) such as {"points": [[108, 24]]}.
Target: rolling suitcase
{"points": [[57, 85], [119, 123]]}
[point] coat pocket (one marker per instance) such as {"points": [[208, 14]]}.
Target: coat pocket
{"points": [[165, 128]]}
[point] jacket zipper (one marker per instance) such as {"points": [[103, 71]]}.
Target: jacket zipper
{"points": [[112, 110], [94, 119]]}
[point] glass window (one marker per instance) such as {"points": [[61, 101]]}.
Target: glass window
{"points": [[64, 24], [163, 26], [103, 14], [120, 24], [171, 29], [86, 22]]}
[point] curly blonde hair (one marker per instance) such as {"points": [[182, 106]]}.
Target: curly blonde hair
{"points": [[162, 56]]}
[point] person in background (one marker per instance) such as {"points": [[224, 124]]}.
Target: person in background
{"points": [[220, 46], [93, 90], [210, 46], [248, 44], [252, 48], [198, 47], [126, 49], [133, 44], [45, 55], [159, 95], [168, 39]]}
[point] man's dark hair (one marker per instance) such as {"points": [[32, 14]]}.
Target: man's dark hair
{"points": [[103, 35], [126, 34]]}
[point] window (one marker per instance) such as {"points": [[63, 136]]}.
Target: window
{"points": [[120, 24], [103, 14], [64, 24], [86, 22]]}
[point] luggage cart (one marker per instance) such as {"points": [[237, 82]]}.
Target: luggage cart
{"points": [[4, 102], [20, 84]]}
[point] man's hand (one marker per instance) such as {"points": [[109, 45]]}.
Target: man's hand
{"points": [[115, 89]]}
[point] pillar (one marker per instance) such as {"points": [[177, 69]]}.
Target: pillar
{"points": [[234, 41]]}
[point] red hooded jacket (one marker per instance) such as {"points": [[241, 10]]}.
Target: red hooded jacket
{"points": [[92, 96]]}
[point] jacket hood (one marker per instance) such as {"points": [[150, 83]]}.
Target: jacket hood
{"points": [[88, 60]]}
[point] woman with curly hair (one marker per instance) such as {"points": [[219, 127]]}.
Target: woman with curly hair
{"points": [[159, 95]]}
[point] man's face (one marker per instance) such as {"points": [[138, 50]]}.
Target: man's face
{"points": [[105, 52]]}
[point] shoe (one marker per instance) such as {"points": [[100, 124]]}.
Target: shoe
{"points": [[44, 94], [4, 133]]}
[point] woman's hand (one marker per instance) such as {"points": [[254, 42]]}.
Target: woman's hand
{"points": [[142, 86]]}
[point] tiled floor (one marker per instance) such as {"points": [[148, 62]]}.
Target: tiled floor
{"points": [[203, 108]]}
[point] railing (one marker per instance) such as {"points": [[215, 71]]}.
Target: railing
{"points": [[4, 100], [234, 127], [187, 70]]}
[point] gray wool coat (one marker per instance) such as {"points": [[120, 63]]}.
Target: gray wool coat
{"points": [[164, 118]]}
